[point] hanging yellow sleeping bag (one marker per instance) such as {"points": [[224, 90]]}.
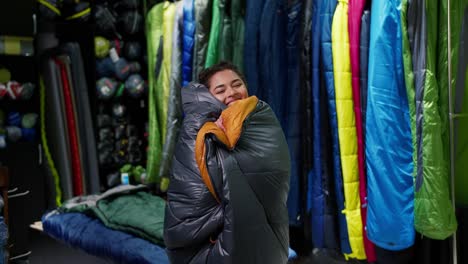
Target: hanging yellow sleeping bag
{"points": [[347, 128]]}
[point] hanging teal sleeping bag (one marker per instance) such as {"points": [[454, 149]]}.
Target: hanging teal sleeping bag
{"points": [[389, 150]]}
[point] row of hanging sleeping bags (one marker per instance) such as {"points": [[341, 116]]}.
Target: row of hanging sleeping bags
{"points": [[367, 79]]}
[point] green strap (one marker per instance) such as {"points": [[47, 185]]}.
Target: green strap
{"points": [[50, 161]]}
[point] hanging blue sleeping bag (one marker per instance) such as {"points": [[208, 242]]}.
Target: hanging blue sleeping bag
{"points": [[389, 149], [188, 41], [364, 59], [328, 9], [321, 195], [315, 194]]}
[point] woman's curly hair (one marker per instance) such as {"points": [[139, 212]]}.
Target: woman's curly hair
{"points": [[205, 75]]}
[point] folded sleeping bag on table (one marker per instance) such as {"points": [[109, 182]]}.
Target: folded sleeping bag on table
{"points": [[228, 190], [128, 227]]}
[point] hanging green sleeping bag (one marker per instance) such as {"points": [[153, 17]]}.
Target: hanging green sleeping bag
{"points": [[433, 211], [154, 33], [238, 29], [203, 10], [163, 82], [174, 110], [459, 26], [212, 53], [225, 39], [409, 78]]}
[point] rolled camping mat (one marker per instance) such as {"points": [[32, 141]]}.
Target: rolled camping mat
{"points": [[71, 123], [66, 63], [53, 132], [85, 120]]}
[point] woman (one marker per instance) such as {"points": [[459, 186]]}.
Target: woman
{"points": [[230, 176]]}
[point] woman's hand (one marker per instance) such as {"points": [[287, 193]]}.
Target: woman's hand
{"points": [[219, 123]]}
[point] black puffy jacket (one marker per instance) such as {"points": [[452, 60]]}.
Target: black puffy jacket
{"points": [[244, 218]]}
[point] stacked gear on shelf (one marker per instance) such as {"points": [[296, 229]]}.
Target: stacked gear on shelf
{"points": [[16, 125], [67, 127], [121, 89], [68, 10]]}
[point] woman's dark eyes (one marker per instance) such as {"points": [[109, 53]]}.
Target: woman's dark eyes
{"points": [[219, 91]]}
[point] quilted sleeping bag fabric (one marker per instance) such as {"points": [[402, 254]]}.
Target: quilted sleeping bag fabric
{"points": [[253, 13], [305, 80], [461, 106], [347, 128], [389, 150], [154, 31], [160, 26], [329, 7], [434, 215], [188, 41], [174, 108], [364, 61], [212, 52], [224, 195], [203, 10], [163, 81], [238, 9], [321, 195], [356, 8], [225, 46]]}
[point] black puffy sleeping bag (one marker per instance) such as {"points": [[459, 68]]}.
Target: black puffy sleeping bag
{"points": [[228, 205]]}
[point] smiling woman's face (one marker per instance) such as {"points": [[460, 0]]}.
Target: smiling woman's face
{"points": [[227, 87]]}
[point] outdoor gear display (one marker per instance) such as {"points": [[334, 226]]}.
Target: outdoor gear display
{"points": [[16, 126], [76, 10], [359, 88], [14, 118], [49, 9], [29, 120], [101, 47], [28, 134], [106, 88], [121, 86], [66, 10], [104, 67], [3, 91], [14, 90], [27, 91], [135, 85], [5, 75], [13, 133], [133, 50], [106, 21], [131, 22]]}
